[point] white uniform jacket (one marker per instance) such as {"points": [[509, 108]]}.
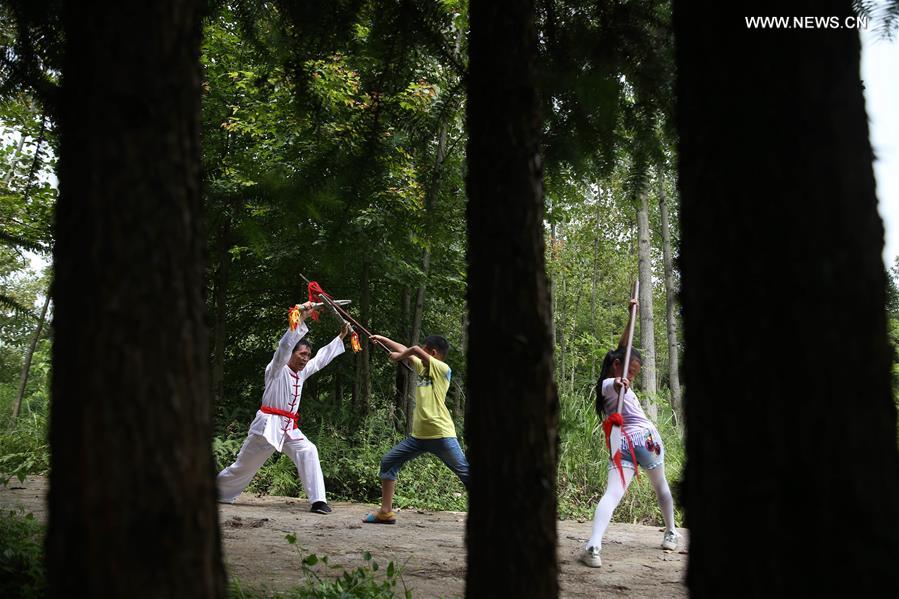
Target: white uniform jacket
{"points": [[283, 387]]}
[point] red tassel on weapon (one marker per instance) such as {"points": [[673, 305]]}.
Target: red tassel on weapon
{"points": [[354, 342], [315, 293]]}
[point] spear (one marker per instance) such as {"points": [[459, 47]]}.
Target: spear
{"points": [[614, 435], [345, 317]]}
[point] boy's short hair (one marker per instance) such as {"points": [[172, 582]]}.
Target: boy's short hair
{"points": [[437, 342], [302, 342]]}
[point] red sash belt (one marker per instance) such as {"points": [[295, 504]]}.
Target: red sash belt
{"points": [[277, 412]]}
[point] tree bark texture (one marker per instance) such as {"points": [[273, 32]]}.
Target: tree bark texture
{"points": [[132, 500], [512, 432], [791, 425], [670, 302]]}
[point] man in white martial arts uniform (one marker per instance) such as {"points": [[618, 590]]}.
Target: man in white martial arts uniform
{"points": [[276, 426]]}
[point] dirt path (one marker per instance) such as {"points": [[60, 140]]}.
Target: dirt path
{"points": [[430, 545]]}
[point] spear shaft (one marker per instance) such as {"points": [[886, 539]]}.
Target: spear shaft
{"points": [[345, 316]]}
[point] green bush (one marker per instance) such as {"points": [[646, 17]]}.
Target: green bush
{"points": [[24, 447], [21, 556]]}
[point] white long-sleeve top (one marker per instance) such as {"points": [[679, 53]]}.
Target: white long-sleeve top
{"points": [[283, 387]]}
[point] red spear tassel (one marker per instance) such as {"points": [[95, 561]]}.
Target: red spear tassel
{"points": [[315, 293], [354, 342], [616, 420]]}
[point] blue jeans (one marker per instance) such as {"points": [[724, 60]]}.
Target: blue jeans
{"points": [[648, 449], [447, 449]]}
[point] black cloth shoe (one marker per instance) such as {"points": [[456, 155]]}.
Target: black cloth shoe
{"points": [[320, 507]]}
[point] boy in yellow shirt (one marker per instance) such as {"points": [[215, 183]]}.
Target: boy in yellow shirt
{"points": [[432, 427]]}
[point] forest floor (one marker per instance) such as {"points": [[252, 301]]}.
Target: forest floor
{"points": [[430, 546]]}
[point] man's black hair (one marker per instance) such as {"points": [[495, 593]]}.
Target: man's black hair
{"points": [[301, 342], [437, 342]]}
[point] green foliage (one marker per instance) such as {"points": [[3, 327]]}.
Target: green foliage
{"points": [[24, 448], [21, 556]]}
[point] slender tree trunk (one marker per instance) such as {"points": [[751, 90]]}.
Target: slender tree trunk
{"points": [[647, 328], [418, 314], [220, 278], [35, 160], [411, 378], [783, 294], [554, 297], [403, 375], [458, 390], [594, 281], [29, 355], [511, 528], [670, 300], [364, 357], [132, 500], [560, 317]]}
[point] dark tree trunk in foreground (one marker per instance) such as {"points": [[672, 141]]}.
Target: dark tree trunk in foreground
{"points": [[792, 481], [512, 435], [132, 496]]}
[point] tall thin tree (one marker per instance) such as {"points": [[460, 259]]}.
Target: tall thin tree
{"points": [[647, 322], [132, 509], [783, 291], [670, 297], [512, 432]]}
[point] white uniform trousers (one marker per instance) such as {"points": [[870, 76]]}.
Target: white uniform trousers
{"points": [[234, 479]]}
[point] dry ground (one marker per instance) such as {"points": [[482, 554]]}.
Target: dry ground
{"points": [[429, 545]]}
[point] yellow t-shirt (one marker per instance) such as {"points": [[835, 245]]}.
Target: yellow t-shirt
{"points": [[431, 419]]}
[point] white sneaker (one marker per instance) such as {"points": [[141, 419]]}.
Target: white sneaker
{"points": [[669, 542], [590, 557]]}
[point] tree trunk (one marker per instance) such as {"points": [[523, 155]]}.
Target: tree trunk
{"points": [[220, 278], [418, 315], [783, 295], [670, 299], [29, 355], [594, 281], [364, 357], [560, 318], [132, 501], [647, 330], [459, 392], [554, 297], [511, 528], [401, 383]]}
